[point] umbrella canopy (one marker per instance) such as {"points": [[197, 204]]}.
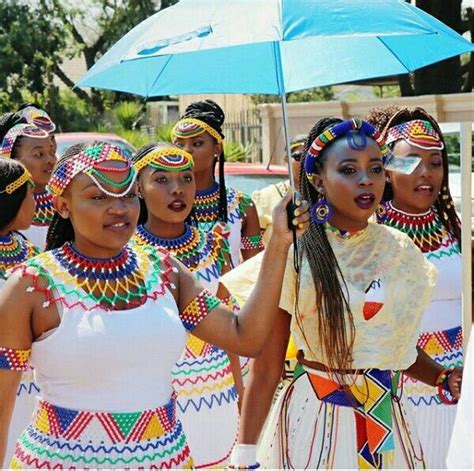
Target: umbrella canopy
{"points": [[271, 46]]}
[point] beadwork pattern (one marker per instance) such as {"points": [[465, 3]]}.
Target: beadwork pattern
{"points": [[419, 133], [38, 117], [206, 206], [169, 159], [17, 131], [426, 230], [252, 242], [192, 127], [108, 284], [14, 249], [25, 177], [59, 438], [44, 209], [198, 309], [14, 359]]}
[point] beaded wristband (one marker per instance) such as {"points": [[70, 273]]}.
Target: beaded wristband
{"points": [[443, 387], [13, 359], [198, 309], [251, 242], [241, 466]]}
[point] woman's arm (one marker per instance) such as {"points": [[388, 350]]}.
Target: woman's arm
{"points": [[251, 236], [15, 336], [246, 333], [265, 375], [428, 371]]}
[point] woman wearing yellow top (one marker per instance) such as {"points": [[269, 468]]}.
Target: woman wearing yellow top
{"points": [[355, 321]]}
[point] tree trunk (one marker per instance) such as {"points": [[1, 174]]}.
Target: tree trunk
{"points": [[444, 76]]}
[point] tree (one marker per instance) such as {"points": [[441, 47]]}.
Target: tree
{"points": [[311, 94], [450, 75]]}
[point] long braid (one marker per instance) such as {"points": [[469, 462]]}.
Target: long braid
{"points": [[60, 230], [336, 334], [444, 203], [222, 190]]}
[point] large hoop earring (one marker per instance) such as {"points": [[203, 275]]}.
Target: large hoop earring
{"points": [[381, 212], [321, 211]]}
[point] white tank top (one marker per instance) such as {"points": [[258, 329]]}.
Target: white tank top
{"points": [[111, 361]]}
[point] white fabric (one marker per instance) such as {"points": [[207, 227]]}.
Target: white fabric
{"points": [[37, 235], [244, 455], [87, 361], [461, 449]]}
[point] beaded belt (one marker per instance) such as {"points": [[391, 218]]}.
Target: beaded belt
{"points": [[371, 399]]}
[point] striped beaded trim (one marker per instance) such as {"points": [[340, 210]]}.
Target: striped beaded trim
{"points": [[44, 209], [169, 159], [14, 249], [198, 309], [25, 177], [251, 242], [191, 127], [14, 359]]}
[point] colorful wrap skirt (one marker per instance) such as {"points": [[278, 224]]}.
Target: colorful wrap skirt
{"points": [[319, 423], [60, 438], [207, 402]]}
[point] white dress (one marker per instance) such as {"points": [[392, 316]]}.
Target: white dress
{"points": [[441, 331]]}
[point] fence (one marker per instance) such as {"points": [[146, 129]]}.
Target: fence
{"points": [[245, 128]]}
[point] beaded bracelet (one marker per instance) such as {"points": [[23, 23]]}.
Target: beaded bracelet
{"points": [[443, 387], [14, 359], [241, 466], [251, 242], [198, 309]]}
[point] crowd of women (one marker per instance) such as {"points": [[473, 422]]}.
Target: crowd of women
{"points": [[146, 308]]}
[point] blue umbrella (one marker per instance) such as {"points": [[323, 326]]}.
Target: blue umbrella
{"points": [[271, 46]]}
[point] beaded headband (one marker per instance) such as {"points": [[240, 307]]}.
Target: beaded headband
{"points": [[38, 117], [19, 130], [169, 159], [419, 133], [192, 127], [25, 177], [339, 130], [89, 162]]}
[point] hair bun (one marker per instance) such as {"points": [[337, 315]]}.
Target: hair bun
{"points": [[208, 111]]}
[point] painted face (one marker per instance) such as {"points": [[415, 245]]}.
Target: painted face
{"points": [[416, 193], [39, 157], [102, 224], [353, 182], [26, 213], [169, 196], [204, 150]]}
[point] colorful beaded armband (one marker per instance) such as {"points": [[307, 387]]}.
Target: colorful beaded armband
{"points": [[444, 392], [198, 309], [251, 242], [241, 466], [15, 360]]}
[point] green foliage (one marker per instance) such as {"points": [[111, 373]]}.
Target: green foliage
{"points": [[128, 114], [311, 94], [235, 152], [134, 137], [163, 132]]}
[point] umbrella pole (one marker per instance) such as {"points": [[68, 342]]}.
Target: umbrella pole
{"points": [[287, 138]]}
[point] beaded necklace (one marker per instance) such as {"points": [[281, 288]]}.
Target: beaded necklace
{"points": [[118, 283], [198, 251], [206, 204], [44, 209], [344, 234], [14, 249], [425, 229]]}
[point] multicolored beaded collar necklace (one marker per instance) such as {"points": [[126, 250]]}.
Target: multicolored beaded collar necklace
{"points": [[206, 204], [108, 282], [14, 249], [44, 209], [191, 248], [344, 234], [425, 229]]}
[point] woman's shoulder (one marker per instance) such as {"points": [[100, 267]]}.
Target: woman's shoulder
{"points": [[392, 236]]}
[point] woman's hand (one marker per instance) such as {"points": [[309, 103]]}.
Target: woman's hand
{"points": [[300, 220], [454, 383]]}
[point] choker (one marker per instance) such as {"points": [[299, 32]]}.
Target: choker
{"points": [[44, 209], [14, 249], [344, 234], [426, 229], [206, 204]]}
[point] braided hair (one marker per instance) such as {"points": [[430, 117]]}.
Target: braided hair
{"points": [[10, 203], [393, 116], [60, 230], [213, 115], [331, 290]]}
